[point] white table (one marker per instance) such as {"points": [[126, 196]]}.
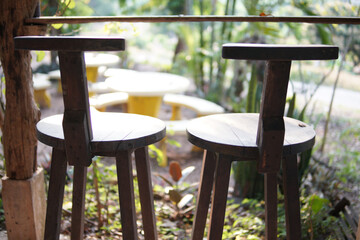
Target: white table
{"points": [[94, 60], [145, 89]]}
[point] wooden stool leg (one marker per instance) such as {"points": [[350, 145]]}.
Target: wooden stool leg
{"points": [[291, 195], [126, 195], [220, 191], [78, 203], [146, 193], [271, 206], [55, 195], [204, 193]]}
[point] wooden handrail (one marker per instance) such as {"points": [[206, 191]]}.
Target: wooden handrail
{"points": [[192, 18]]}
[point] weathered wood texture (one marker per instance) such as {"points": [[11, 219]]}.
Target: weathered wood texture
{"points": [[24, 206], [145, 191], [238, 135], [56, 189], [189, 18], [77, 123], [19, 137], [278, 52], [271, 130], [204, 194], [66, 44], [291, 197], [126, 195], [220, 192]]}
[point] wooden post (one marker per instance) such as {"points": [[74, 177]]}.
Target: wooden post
{"points": [[19, 138], [24, 207]]}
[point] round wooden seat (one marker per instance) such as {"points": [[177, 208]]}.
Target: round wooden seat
{"points": [[112, 132], [239, 131]]}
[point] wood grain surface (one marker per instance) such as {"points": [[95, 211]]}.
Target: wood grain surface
{"points": [[278, 52], [111, 132], [70, 43], [235, 134]]}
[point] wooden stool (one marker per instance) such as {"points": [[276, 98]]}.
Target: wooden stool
{"points": [[267, 138], [78, 135]]}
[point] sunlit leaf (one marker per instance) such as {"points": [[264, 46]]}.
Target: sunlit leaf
{"points": [[39, 55], [70, 4], [57, 25], [317, 203]]}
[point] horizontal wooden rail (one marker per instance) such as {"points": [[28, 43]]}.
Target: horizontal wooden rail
{"points": [[190, 18]]}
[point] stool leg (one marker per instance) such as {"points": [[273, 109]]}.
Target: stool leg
{"points": [[55, 195], [291, 195], [78, 203], [146, 192], [271, 206], [126, 195], [220, 191], [204, 193]]}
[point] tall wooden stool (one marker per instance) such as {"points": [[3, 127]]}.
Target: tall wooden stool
{"points": [[78, 135], [267, 137]]}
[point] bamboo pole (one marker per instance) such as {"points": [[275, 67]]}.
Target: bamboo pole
{"points": [[192, 18]]}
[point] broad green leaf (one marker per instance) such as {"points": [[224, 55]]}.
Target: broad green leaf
{"points": [[317, 203]]}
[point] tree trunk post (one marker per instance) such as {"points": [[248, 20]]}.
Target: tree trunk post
{"points": [[23, 187]]}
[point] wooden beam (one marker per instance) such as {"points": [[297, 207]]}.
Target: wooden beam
{"points": [[190, 18]]}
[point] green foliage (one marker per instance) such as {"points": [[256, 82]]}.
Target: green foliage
{"points": [[66, 8], [251, 95], [316, 221], [345, 155], [248, 182], [323, 31], [156, 153], [244, 220]]}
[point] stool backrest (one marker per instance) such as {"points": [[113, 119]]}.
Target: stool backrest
{"points": [[76, 122], [271, 129]]}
